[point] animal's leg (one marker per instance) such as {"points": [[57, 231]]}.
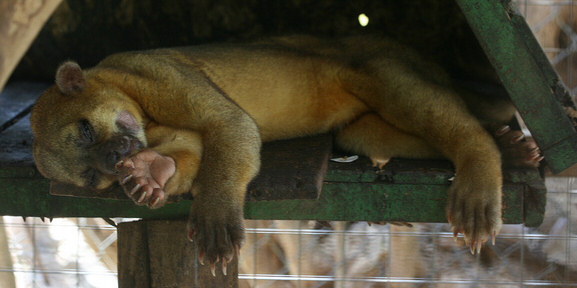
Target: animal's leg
{"points": [[495, 112], [231, 142], [435, 113], [371, 136]]}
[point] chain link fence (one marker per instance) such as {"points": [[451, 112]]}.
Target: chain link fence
{"points": [[82, 252]]}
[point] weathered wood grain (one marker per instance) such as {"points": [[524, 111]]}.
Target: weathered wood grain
{"points": [[20, 22], [147, 259]]}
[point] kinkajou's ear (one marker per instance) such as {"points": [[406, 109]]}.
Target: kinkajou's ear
{"points": [[70, 78]]}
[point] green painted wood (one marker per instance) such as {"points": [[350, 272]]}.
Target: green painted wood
{"points": [[399, 172], [527, 76], [290, 169], [391, 195], [406, 190], [338, 202], [534, 202]]}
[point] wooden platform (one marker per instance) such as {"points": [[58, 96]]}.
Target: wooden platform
{"points": [[296, 182], [526, 74]]}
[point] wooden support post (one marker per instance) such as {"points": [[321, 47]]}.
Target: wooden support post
{"points": [[156, 253], [20, 22], [6, 278]]}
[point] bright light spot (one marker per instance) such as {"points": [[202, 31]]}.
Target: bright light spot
{"points": [[363, 19]]}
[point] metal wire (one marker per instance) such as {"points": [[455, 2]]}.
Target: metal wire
{"points": [[523, 257]]}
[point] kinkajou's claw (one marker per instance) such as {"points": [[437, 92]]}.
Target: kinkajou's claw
{"points": [[213, 269], [142, 197], [126, 179], [134, 189]]}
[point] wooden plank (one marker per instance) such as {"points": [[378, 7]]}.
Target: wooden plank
{"points": [[20, 21], [278, 180], [534, 203], [397, 171], [377, 202], [15, 135], [528, 77], [28, 197], [290, 169], [170, 258], [146, 259], [7, 279], [133, 254], [408, 184]]}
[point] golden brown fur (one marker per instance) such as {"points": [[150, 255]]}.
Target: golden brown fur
{"points": [[192, 120]]}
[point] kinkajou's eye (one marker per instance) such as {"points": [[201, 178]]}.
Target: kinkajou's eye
{"points": [[87, 131]]}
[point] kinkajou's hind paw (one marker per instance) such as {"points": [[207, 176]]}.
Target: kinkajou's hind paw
{"points": [[143, 176], [379, 163], [516, 149]]}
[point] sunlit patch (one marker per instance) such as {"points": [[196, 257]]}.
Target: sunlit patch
{"points": [[363, 19]]}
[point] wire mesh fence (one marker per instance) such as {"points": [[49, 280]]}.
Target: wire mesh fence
{"points": [[67, 252], [553, 23], [306, 254], [82, 252]]}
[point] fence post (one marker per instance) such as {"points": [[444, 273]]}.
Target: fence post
{"points": [[156, 253]]}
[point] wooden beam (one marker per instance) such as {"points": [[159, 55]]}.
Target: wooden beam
{"points": [[7, 279], [290, 169], [146, 259], [527, 76], [406, 190], [20, 22]]}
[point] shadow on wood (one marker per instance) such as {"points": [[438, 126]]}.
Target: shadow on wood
{"points": [[146, 259]]}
